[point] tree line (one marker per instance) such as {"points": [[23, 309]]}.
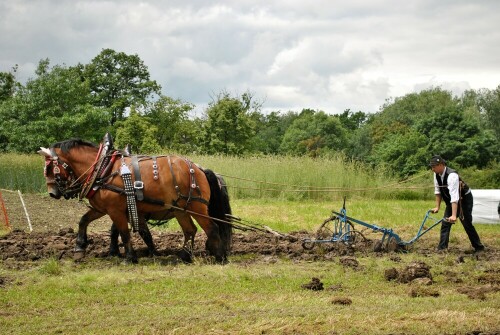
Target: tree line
{"points": [[115, 93]]}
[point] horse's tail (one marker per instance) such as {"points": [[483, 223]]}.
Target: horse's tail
{"points": [[219, 206]]}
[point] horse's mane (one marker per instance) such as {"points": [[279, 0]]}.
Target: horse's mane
{"points": [[67, 145]]}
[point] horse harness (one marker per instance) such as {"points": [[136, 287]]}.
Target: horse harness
{"points": [[134, 189], [68, 191], [70, 186]]}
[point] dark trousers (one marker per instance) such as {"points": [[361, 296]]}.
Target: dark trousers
{"points": [[464, 212]]}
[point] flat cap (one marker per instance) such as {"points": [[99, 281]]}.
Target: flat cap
{"points": [[436, 160]]}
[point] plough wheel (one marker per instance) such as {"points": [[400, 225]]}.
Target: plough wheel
{"points": [[308, 245], [330, 228], [353, 238], [324, 232]]}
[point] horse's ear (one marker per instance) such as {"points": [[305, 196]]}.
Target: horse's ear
{"points": [[44, 152]]}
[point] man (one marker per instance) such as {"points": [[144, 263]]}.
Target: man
{"points": [[458, 199]]}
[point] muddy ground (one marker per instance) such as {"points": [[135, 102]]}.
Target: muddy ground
{"points": [[51, 232]]}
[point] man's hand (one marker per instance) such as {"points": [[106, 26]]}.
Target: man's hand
{"points": [[452, 219], [435, 210]]}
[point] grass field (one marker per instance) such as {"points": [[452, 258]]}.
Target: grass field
{"points": [[263, 295], [255, 293]]}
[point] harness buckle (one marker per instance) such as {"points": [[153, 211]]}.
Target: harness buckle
{"points": [[138, 185]]}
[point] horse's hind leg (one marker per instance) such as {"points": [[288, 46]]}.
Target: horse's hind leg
{"points": [[121, 224], [81, 238], [113, 245], [147, 237], [143, 232], [189, 229]]}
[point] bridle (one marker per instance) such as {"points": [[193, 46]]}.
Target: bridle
{"points": [[64, 177]]}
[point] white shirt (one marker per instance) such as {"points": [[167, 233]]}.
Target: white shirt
{"points": [[453, 185]]}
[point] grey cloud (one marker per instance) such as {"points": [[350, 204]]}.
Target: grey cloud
{"points": [[329, 55]]}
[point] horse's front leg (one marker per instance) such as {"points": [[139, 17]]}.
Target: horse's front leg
{"points": [[81, 238]]}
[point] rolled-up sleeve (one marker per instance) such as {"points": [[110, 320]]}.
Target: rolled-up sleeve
{"points": [[436, 185], [453, 187]]}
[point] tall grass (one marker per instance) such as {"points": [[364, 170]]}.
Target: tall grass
{"points": [[276, 177], [22, 172], [297, 178]]}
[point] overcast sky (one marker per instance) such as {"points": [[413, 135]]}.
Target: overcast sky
{"points": [[293, 54]]}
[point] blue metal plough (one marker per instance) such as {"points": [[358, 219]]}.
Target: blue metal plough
{"points": [[339, 228]]}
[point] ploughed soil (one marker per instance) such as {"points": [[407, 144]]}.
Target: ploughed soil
{"points": [[52, 228]]}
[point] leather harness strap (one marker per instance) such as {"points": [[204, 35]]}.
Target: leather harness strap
{"points": [[138, 184], [193, 185], [133, 215]]}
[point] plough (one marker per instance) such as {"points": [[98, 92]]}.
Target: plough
{"points": [[339, 228]]}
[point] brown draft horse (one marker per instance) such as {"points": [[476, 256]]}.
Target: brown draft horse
{"points": [[174, 186]]}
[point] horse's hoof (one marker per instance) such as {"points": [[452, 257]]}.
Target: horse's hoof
{"points": [[154, 253], [131, 260], [221, 260], [185, 256], [114, 253], [78, 255]]}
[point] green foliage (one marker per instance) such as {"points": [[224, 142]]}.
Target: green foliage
{"points": [[118, 81], [406, 133], [270, 129], [404, 112], [486, 178], [313, 133], [8, 84], [139, 132], [404, 153], [229, 127], [52, 107], [175, 130], [457, 138]]}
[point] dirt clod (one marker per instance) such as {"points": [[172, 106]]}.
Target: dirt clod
{"points": [[391, 274], [413, 271], [315, 285], [349, 261]]}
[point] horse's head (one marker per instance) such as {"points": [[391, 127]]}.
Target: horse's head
{"points": [[58, 175]]}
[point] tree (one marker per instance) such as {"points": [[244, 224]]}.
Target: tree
{"points": [[228, 127], [313, 133], [270, 130], [487, 103], [53, 106], [398, 116], [118, 81], [457, 137], [403, 153], [176, 130], [139, 132], [8, 84], [352, 121]]}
